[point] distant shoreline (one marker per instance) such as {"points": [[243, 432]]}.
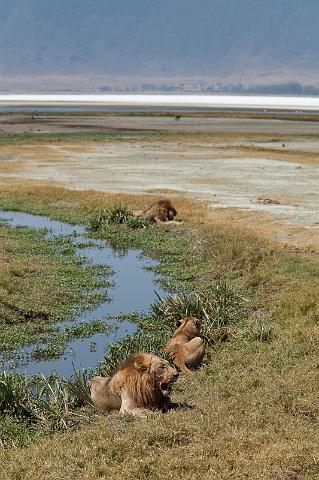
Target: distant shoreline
{"points": [[296, 104]]}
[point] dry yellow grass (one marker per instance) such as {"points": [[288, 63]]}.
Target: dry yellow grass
{"points": [[49, 193], [231, 146], [228, 435], [286, 155], [12, 166]]}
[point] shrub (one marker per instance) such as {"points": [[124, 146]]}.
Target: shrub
{"points": [[117, 216]]}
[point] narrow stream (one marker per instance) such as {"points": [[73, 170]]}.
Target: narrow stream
{"points": [[133, 290]]}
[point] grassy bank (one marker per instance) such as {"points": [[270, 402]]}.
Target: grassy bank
{"points": [[255, 401], [218, 306], [97, 134]]}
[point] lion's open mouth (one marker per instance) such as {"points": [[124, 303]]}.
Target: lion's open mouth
{"points": [[166, 389]]}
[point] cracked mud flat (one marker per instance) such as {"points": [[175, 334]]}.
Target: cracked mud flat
{"points": [[276, 173]]}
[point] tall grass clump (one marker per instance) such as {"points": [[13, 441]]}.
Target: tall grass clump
{"points": [[38, 404], [77, 385], [219, 308], [117, 353], [14, 396], [117, 216]]}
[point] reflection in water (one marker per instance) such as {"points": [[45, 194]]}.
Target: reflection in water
{"points": [[133, 290]]}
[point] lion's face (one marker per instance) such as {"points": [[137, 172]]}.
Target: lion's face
{"points": [[154, 371], [171, 213], [164, 374], [189, 325], [163, 210]]}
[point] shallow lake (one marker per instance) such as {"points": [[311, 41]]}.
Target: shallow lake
{"points": [[133, 289]]}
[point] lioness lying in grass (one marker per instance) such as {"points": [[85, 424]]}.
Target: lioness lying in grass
{"points": [[185, 346]]}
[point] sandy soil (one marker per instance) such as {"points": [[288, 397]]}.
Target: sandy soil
{"points": [[275, 172]]}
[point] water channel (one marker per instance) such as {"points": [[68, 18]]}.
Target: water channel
{"points": [[133, 289]]}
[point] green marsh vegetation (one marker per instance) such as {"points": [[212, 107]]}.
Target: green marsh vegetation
{"points": [[42, 282], [116, 216], [255, 399], [84, 136]]}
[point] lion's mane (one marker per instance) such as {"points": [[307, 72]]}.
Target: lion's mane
{"points": [[162, 210], [142, 381]]}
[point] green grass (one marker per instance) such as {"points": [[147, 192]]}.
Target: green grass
{"points": [[255, 400], [85, 136]]}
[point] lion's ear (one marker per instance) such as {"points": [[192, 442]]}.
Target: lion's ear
{"points": [[197, 323], [141, 365], [179, 322]]}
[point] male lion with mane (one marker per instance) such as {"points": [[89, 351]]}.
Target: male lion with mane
{"points": [[161, 212], [143, 381], [185, 346]]}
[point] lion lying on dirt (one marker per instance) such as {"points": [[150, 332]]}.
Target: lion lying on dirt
{"points": [[185, 346], [161, 212], [143, 381]]}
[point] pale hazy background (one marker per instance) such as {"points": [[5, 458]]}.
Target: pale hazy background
{"points": [[254, 46]]}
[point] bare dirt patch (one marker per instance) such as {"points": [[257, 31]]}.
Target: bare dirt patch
{"points": [[167, 166], [227, 163]]}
